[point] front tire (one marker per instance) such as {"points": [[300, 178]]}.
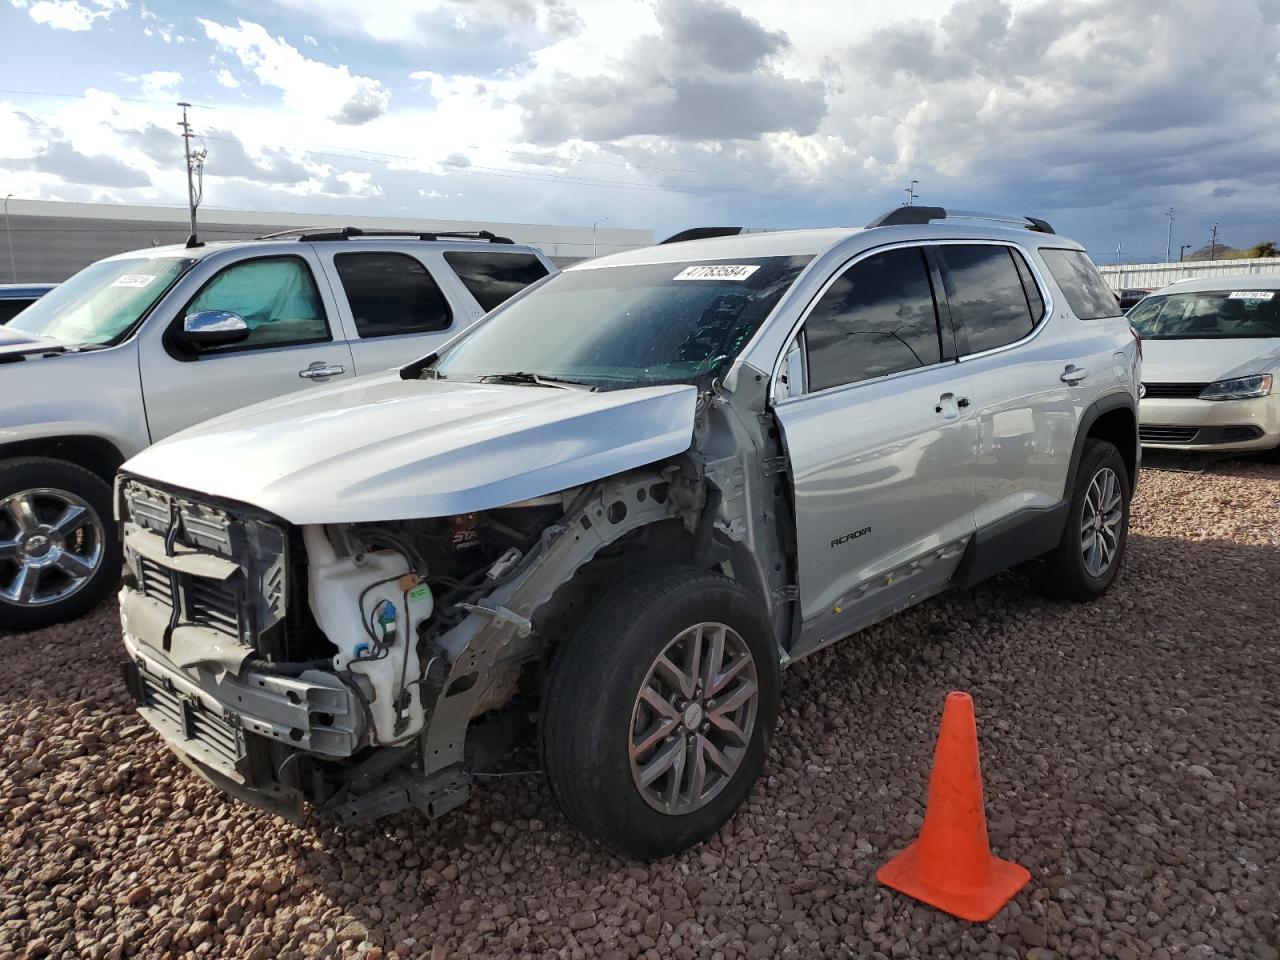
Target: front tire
{"points": [[659, 711], [59, 554], [1088, 557]]}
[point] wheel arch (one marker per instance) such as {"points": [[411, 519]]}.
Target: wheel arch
{"points": [[96, 454], [1113, 418]]}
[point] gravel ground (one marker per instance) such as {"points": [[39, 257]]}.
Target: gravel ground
{"points": [[1130, 751]]}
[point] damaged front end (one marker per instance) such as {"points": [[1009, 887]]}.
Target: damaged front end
{"points": [[344, 665]]}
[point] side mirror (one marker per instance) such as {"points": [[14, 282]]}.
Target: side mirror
{"points": [[212, 328]]}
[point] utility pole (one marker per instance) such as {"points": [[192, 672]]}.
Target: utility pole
{"points": [[1182, 251], [1168, 248], [911, 194], [1213, 243], [195, 172], [593, 234], [13, 267]]}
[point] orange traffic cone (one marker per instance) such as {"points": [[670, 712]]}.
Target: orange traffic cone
{"points": [[950, 866]]}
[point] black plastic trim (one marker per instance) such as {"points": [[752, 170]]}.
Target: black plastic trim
{"points": [[907, 216], [1019, 537], [309, 235], [702, 233], [1112, 401]]}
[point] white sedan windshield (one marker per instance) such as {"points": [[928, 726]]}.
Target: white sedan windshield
{"points": [[1216, 315]]}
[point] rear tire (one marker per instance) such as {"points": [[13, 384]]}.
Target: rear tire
{"points": [[59, 553], [634, 761], [1091, 551]]}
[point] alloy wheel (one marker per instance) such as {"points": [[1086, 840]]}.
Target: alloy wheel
{"points": [[51, 544], [1100, 519], [693, 718]]}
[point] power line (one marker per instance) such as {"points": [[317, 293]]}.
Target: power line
{"points": [[507, 173], [83, 96], [380, 157]]}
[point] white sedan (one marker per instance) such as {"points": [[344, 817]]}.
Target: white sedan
{"points": [[1211, 361]]}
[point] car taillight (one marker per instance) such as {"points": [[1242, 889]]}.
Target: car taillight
{"points": [[1137, 340]]}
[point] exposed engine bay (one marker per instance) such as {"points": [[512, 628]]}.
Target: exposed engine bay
{"points": [[363, 668]]}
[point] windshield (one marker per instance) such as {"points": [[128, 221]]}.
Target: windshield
{"points": [[1216, 315], [615, 327], [102, 301]]}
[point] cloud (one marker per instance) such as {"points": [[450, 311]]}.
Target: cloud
{"points": [[1083, 101], [308, 85], [50, 151], [707, 75], [480, 37], [160, 84], [71, 14], [226, 79], [228, 157]]}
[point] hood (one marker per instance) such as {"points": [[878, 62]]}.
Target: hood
{"points": [[383, 448], [1204, 361], [15, 343]]}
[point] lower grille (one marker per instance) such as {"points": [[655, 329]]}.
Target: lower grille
{"points": [[1181, 391], [204, 734], [1147, 434], [1198, 435]]}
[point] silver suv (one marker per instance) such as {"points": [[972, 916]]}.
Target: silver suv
{"points": [[146, 343], [615, 509]]}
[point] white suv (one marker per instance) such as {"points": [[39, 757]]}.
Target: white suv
{"points": [[140, 345], [620, 505]]}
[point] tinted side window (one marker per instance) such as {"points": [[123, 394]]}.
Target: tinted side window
{"points": [[878, 318], [988, 301], [11, 308], [277, 297], [1087, 293], [494, 277], [391, 293]]}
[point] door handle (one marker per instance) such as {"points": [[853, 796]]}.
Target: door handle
{"points": [[321, 371], [1073, 374]]}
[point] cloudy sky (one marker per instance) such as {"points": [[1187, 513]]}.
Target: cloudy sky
{"points": [[1098, 115]]}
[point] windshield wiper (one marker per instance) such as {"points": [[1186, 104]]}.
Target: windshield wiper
{"points": [[537, 379]]}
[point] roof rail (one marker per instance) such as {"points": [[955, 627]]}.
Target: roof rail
{"points": [[708, 233], [901, 216], [311, 234]]}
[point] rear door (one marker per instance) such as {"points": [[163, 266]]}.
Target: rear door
{"points": [[880, 443], [294, 343], [402, 303], [396, 304], [1015, 357]]}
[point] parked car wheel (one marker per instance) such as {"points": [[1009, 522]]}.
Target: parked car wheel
{"points": [[659, 710], [59, 555], [1091, 551]]}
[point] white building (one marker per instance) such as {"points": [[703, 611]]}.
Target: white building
{"points": [[48, 240], [1153, 276]]}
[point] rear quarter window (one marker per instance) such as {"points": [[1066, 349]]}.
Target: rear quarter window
{"points": [[1087, 293], [493, 278]]}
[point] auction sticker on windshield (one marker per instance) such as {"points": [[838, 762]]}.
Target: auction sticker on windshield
{"points": [[133, 280], [718, 271], [1251, 295]]}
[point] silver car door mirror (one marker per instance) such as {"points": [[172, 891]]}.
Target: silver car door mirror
{"points": [[210, 328]]}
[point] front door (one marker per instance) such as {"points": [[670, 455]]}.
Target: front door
{"points": [[291, 345], [881, 443]]}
